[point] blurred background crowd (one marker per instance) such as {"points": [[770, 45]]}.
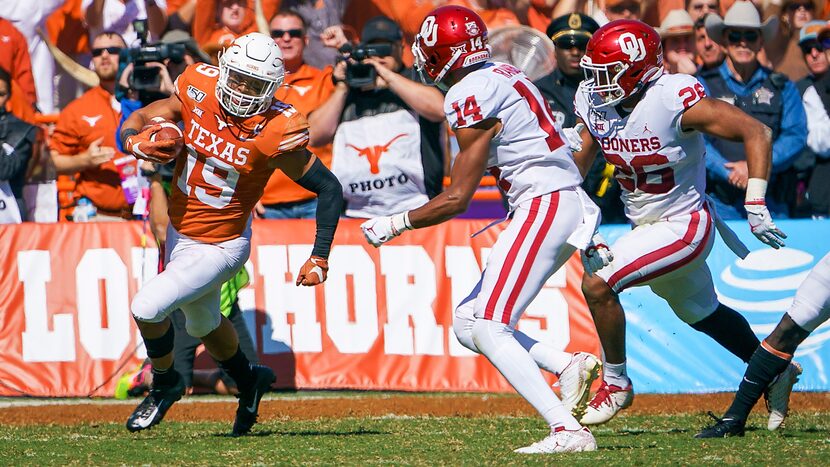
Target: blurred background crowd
{"points": [[72, 70]]}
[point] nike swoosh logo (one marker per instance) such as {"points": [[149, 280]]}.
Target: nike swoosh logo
{"points": [[145, 422], [252, 408], [750, 382]]}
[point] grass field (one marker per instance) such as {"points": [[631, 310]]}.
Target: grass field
{"points": [[630, 439]]}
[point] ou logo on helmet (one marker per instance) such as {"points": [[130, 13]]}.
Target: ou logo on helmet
{"points": [[429, 31], [632, 46]]}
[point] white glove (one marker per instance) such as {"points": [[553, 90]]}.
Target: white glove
{"points": [[573, 137], [597, 255], [761, 224], [380, 230]]}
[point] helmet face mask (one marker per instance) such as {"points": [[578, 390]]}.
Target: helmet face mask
{"points": [[250, 71], [603, 80]]}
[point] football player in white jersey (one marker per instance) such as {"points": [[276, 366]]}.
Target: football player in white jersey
{"points": [[648, 125], [810, 309], [503, 123]]}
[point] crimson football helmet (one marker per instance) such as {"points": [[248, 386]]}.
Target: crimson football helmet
{"points": [[620, 59], [451, 37]]}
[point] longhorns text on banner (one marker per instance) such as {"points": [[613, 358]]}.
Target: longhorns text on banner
{"points": [[373, 153], [632, 46]]}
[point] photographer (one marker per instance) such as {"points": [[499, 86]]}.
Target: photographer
{"points": [[385, 127], [16, 141]]}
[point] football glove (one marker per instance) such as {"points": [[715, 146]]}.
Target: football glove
{"points": [[380, 230], [573, 137], [596, 255], [314, 271], [140, 145], [762, 226]]}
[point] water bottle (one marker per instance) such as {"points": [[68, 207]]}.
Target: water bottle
{"points": [[84, 210]]}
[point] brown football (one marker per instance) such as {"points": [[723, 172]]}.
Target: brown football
{"points": [[168, 130]]}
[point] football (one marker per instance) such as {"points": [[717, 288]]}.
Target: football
{"points": [[168, 130]]}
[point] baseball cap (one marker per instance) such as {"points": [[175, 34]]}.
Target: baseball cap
{"points": [[571, 30], [811, 30], [381, 28]]}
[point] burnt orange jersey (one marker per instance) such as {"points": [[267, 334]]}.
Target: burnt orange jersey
{"points": [[227, 165]]}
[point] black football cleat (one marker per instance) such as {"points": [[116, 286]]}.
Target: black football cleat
{"points": [[723, 428], [152, 409], [246, 413]]}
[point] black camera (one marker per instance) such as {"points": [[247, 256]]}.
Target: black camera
{"points": [[359, 75], [144, 77]]}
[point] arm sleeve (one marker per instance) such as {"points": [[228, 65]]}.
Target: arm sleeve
{"points": [[793, 136], [321, 181], [818, 123], [471, 103], [15, 154]]}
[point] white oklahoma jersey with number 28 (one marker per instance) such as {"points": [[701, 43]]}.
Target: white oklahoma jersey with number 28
{"points": [[661, 168], [528, 156]]}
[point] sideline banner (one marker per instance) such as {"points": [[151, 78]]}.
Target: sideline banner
{"points": [[383, 320]]}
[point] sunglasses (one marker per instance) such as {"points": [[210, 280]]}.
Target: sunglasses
{"points": [[292, 33], [633, 7], [735, 37], [796, 6], [571, 41], [807, 47], [711, 6], [110, 50]]}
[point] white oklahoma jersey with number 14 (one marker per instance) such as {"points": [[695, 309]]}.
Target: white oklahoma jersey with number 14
{"points": [[660, 167], [528, 156]]}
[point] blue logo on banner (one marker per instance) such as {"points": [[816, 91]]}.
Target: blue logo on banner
{"points": [[665, 355]]}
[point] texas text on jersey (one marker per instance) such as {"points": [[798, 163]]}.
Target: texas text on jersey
{"points": [[660, 167], [227, 164], [530, 157]]}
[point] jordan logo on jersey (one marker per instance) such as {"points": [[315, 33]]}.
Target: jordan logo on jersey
{"points": [[373, 153]]}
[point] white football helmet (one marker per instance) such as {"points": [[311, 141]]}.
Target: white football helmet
{"points": [[250, 71]]}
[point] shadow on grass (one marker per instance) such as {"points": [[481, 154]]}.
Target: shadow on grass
{"points": [[263, 433]]}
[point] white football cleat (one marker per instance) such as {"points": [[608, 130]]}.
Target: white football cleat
{"points": [[778, 395], [562, 440], [609, 400], [575, 382]]}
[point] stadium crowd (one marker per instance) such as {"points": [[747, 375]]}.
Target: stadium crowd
{"points": [[72, 71]]}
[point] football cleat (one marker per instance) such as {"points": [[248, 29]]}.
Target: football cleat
{"points": [[575, 382], [777, 396], [723, 428], [246, 413], [153, 408], [609, 400], [562, 440]]}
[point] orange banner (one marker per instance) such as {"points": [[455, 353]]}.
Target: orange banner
{"points": [[383, 320]]}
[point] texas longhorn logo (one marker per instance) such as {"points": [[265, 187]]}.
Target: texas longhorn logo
{"points": [[373, 153], [632, 46]]}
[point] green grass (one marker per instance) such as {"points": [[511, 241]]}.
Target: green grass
{"points": [[628, 440]]}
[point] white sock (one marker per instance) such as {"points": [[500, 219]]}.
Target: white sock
{"points": [[496, 342], [614, 373], [546, 356]]}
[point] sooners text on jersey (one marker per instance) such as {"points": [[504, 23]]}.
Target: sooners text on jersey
{"points": [[661, 169], [528, 156], [227, 163]]}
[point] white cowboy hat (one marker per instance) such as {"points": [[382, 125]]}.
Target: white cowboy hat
{"points": [[741, 15], [676, 23]]}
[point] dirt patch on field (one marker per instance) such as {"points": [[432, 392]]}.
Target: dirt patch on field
{"points": [[299, 408]]}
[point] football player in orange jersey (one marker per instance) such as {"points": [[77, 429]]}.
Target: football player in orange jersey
{"points": [[235, 135]]}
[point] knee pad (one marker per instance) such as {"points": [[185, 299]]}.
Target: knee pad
{"points": [[463, 328], [201, 323], [145, 309], [490, 335]]}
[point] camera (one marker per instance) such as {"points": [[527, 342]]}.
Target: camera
{"points": [[146, 78], [360, 75]]}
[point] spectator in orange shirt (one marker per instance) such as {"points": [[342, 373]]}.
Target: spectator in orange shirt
{"points": [[306, 88], [217, 23], [84, 139], [14, 58]]}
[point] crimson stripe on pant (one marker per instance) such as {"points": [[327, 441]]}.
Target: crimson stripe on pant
{"points": [[511, 258], [531, 257], [665, 252]]}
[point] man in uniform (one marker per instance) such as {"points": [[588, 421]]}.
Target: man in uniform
{"points": [[570, 34], [235, 134]]}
